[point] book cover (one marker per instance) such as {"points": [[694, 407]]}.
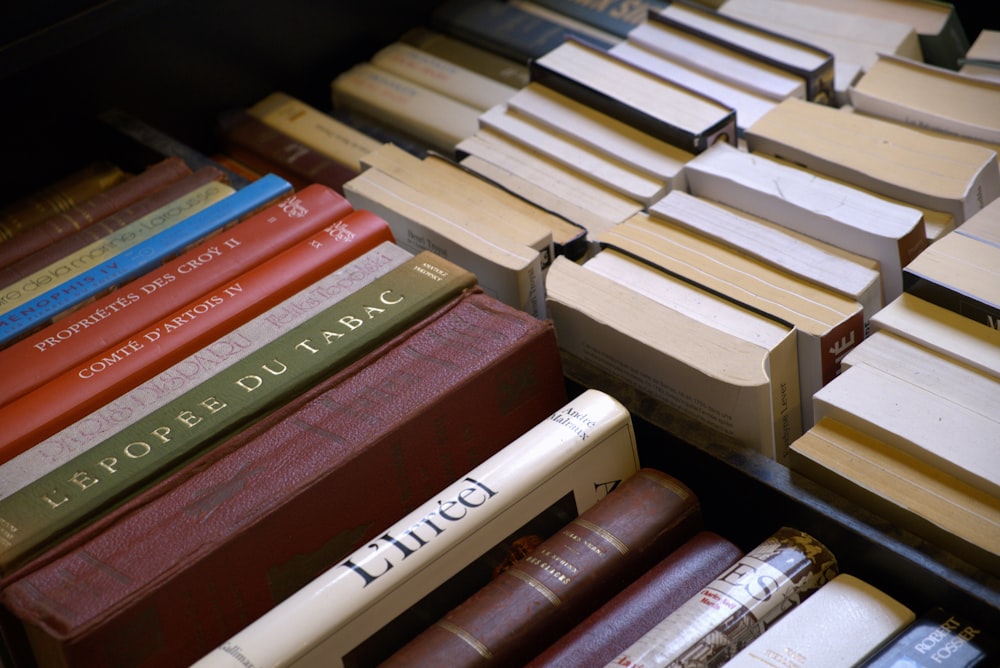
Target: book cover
{"points": [[939, 638]]}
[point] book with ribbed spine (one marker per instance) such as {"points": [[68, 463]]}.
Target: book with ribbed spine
{"points": [[136, 260], [77, 336], [47, 509]]}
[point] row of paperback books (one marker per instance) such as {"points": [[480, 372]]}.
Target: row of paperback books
{"points": [[561, 228]]}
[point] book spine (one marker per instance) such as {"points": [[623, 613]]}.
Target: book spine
{"points": [[120, 367], [542, 595], [462, 357], [75, 337], [220, 354], [144, 256], [93, 210], [618, 17], [118, 467], [637, 608], [739, 605], [156, 208], [58, 197], [939, 638], [839, 341], [955, 300], [265, 148], [583, 449]]}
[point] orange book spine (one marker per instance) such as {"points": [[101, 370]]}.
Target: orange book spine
{"points": [[92, 383], [43, 355]]}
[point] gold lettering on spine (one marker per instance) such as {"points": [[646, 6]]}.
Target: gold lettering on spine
{"points": [[466, 637]]}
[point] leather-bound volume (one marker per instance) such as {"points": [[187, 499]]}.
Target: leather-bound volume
{"points": [[659, 591], [558, 583], [236, 531], [93, 209]]}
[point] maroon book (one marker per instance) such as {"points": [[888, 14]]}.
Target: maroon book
{"points": [[559, 582], [190, 562], [613, 627]]}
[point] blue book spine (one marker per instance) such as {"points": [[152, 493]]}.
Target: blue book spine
{"points": [[141, 258]]}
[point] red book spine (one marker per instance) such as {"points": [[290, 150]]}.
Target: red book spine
{"points": [[612, 628], [93, 209], [557, 584], [239, 529], [69, 243], [57, 348], [120, 367]]}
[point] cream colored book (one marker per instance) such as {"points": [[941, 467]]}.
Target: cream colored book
{"points": [[777, 338], [441, 75], [582, 450], [588, 126], [470, 200], [320, 131], [941, 330], [461, 52], [748, 103], [849, 274], [437, 120], [608, 170], [546, 183], [508, 271], [890, 159], [916, 496], [808, 203], [803, 59], [913, 92], [839, 625], [827, 325], [983, 57], [925, 423], [985, 225], [673, 113]]}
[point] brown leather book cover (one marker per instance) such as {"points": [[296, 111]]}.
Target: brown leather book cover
{"points": [[238, 530], [557, 584], [614, 626], [92, 210]]}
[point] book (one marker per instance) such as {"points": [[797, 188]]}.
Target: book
{"points": [[941, 330], [635, 609], [776, 339], [670, 112], [439, 121], [504, 28], [576, 456], [912, 494], [960, 273], [803, 59], [52, 506], [122, 365], [704, 372], [466, 54], [26, 211], [827, 325], [507, 270], [304, 123], [586, 30], [924, 422], [71, 219], [736, 607], [851, 275], [617, 17], [947, 175], [985, 225], [462, 383], [600, 132], [840, 624], [939, 637], [78, 336], [922, 95], [262, 147], [982, 59], [799, 199], [137, 256], [216, 356], [557, 583], [441, 75]]}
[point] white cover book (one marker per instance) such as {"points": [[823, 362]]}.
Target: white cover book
{"points": [[582, 449]]}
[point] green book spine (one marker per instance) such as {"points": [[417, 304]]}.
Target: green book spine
{"points": [[41, 513]]}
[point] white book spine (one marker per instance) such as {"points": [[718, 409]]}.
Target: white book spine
{"points": [[580, 449]]}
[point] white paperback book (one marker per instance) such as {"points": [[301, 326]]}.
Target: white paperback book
{"points": [[584, 449]]}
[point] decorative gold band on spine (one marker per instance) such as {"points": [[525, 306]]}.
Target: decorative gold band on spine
{"points": [[466, 637]]}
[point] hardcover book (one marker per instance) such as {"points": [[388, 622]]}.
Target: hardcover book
{"points": [[939, 638]]}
